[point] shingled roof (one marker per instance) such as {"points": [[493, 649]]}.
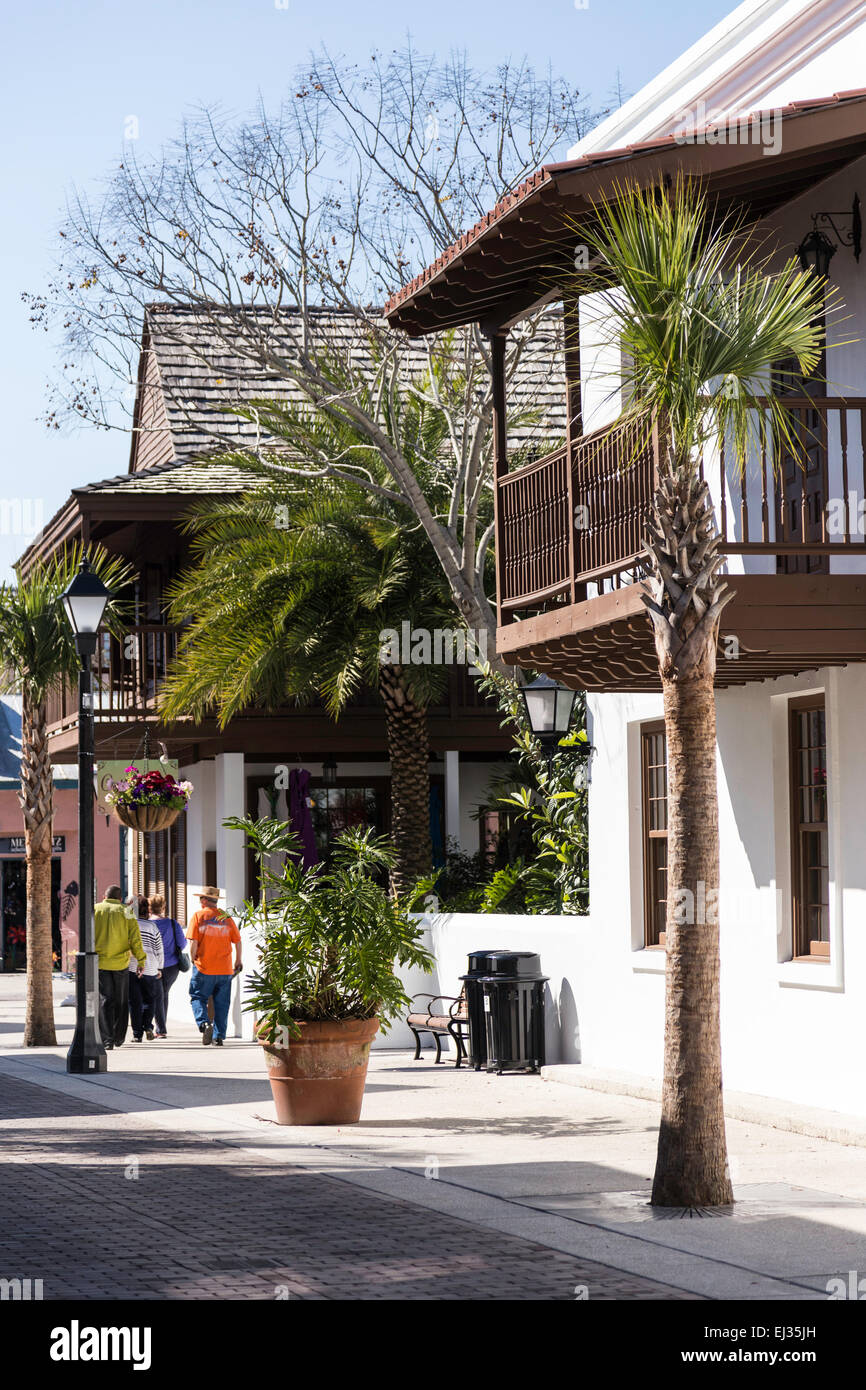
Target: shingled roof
{"points": [[190, 373], [175, 476]]}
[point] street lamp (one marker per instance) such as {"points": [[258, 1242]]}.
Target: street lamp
{"points": [[84, 600], [548, 709]]}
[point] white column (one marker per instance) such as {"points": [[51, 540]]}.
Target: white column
{"points": [[200, 829], [452, 796], [230, 800]]}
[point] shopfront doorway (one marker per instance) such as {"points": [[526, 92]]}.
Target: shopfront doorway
{"points": [[13, 912]]}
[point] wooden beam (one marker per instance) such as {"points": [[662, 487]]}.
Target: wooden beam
{"points": [[500, 454], [517, 308]]}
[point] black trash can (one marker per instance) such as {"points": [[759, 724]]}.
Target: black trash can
{"points": [[481, 964], [513, 997]]}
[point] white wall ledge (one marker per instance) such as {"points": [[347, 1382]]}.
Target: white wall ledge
{"points": [[648, 961], [796, 974]]}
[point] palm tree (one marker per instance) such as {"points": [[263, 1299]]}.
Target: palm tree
{"points": [[701, 321], [38, 655], [289, 595]]}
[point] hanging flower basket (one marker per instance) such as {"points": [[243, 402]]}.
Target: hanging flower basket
{"points": [[148, 801], [147, 817]]}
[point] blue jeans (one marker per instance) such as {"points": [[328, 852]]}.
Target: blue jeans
{"points": [[201, 987]]}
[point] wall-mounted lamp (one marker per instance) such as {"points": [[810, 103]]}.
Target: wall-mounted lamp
{"points": [[816, 250]]}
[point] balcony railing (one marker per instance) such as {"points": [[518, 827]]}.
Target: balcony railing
{"points": [[572, 525], [128, 672]]}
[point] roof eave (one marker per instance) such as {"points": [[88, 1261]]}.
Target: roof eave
{"points": [[588, 178]]}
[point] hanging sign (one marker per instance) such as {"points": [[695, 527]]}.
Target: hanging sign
{"points": [[15, 844]]}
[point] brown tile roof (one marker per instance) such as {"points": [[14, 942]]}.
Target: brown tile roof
{"points": [[546, 176]]}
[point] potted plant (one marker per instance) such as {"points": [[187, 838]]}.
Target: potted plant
{"points": [[147, 800], [330, 940]]}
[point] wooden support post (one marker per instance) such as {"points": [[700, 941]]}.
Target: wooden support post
{"points": [[574, 409], [500, 458], [571, 322]]}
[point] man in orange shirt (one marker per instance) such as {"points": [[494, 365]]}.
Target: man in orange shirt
{"points": [[211, 936]]}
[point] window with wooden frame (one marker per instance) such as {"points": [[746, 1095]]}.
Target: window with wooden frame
{"points": [[654, 815], [810, 859]]}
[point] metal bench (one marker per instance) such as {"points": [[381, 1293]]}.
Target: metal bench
{"points": [[453, 1024]]}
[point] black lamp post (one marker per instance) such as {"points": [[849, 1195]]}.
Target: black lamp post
{"points": [[84, 600], [548, 709]]}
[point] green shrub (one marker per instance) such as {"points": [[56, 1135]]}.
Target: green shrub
{"points": [[330, 938]]}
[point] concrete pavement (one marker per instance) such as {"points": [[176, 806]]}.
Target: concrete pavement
{"points": [[562, 1167]]}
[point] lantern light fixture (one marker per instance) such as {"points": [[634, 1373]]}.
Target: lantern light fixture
{"points": [[816, 250], [549, 707], [84, 600]]}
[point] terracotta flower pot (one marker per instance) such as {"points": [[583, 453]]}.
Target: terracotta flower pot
{"points": [[147, 817], [319, 1078]]}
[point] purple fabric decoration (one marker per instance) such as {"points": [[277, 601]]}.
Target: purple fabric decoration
{"points": [[300, 820]]}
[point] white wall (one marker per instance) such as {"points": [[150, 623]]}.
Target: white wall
{"points": [[762, 55], [600, 364], [790, 1030], [200, 827]]}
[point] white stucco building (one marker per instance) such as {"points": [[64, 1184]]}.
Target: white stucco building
{"points": [[791, 692]]}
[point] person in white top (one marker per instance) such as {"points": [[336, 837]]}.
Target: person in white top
{"points": [[143, 987]]}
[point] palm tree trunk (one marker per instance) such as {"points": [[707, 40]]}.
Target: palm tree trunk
{"points": [[409, 751], [685, 605], [37, 803], [691, 1165]]}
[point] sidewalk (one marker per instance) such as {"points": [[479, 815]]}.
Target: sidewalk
{"points": [[555, 1168]]}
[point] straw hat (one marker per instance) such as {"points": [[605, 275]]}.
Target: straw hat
{"points": [[209, 892]]}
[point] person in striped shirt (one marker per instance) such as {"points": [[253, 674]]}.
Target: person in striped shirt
{"points": [[143, 987]]}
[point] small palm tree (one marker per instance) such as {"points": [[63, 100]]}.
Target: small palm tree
{"points": [[38, 655], [295, 583], [700, 321], [289, 596]]}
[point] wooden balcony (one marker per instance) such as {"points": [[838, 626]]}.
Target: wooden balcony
{"points": [[570, 564], [128, 672]]}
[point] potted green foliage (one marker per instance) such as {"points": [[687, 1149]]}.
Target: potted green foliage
{"points": [[330, 941]]}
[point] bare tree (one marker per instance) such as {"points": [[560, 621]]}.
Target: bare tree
{"points": [[275, 229]]}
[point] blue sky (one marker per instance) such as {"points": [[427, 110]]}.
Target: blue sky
{"points": [[75, 72]]}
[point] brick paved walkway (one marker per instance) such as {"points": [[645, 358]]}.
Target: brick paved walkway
{"points": [[105, 1206]]}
